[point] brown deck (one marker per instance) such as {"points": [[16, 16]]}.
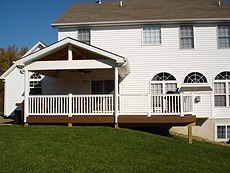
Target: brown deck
{"points": [[122, 119]]}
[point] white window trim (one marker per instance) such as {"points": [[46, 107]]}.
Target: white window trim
{"points": [[194, 38], [142, 36], [224, 139]]}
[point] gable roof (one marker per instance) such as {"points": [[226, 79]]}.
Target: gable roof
{"points": [[62, 43], [147, 10], [121, 61], [38, 46]]}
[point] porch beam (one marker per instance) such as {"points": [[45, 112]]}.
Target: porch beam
{"points": [[116, 94], [74, 64]]}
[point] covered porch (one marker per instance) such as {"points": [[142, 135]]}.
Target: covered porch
{"points": [[81, 85]]}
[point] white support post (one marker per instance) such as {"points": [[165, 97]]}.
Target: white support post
{"points": [[5, 96], [116, 94], [181, 105], [70, 53], [149, 105], [70, 104], [26, 94]]}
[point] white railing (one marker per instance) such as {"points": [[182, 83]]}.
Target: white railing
{"points": [[92, 104], [163, 104], [48, 105], [71, 105]]}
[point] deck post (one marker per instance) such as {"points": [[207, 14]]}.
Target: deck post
{"points": [[149, 105], [26, 94], [190, 132], [181, 105], [116, 94], [70, 104]]}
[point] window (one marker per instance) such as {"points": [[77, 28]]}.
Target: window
{"points": [[102, 87], [223, 132], [222, 89], [186, 37], [224, 36], [84, 35], [195, 77], [162, 83], [35, 84], [152, 35]]}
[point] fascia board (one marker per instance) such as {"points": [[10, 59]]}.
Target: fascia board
{"points": [[140, 22]]}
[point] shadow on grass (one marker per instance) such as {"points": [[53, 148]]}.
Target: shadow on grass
{"points": [[159, 130]]}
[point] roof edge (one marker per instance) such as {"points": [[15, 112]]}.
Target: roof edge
{"points": [[134, 22]]}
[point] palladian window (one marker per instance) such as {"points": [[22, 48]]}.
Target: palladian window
{"points": [[35, 84], [222, 89], [195, 77], [162, 83]]}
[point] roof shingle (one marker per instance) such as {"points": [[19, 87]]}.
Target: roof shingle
{"points": [[133, 10]]}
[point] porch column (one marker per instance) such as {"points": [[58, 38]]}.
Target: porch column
{"points": [[116, 95], [26, 94]]}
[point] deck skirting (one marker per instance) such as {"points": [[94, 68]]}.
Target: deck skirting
{"points": [[122, 119]]}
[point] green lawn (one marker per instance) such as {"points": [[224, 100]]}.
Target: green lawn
{"points": [[104, 149]]}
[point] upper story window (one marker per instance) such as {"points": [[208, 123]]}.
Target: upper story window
{"points": [[152, 35], [222, 89], [224, 36], [163, 82], [84, 35], [186, 37], [35, 84], [195, 77]]}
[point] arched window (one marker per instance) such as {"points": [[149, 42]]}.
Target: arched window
{"points": [[162, 83], [222, 89], [35, 84], [195, 77]]}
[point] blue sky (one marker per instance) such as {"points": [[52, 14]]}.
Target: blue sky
{"points": [[25, 22]]}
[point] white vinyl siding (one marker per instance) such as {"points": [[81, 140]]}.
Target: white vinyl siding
{"points": [[151, 35], [186, 37], [224, 36]]}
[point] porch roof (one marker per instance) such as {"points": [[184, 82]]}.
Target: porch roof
{"points": [[61, 46]]}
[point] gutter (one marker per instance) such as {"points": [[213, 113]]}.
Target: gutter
{"points": [[141, 22]]}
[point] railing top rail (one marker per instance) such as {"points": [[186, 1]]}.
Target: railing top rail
{"points": [[93, 95], [33, 96], [81, 95]]}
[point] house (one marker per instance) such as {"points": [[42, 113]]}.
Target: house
{"points": [[152, 62]]}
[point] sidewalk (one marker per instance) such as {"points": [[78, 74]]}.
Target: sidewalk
{"points": [[5, 121]]}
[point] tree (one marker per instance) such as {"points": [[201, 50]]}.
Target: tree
{"points": [[9, 55]]}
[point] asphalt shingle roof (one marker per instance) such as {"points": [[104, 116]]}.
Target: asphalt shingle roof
{"points": [[144, 10]]}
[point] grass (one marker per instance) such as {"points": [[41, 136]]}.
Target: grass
{"points": [[104, 149]]}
